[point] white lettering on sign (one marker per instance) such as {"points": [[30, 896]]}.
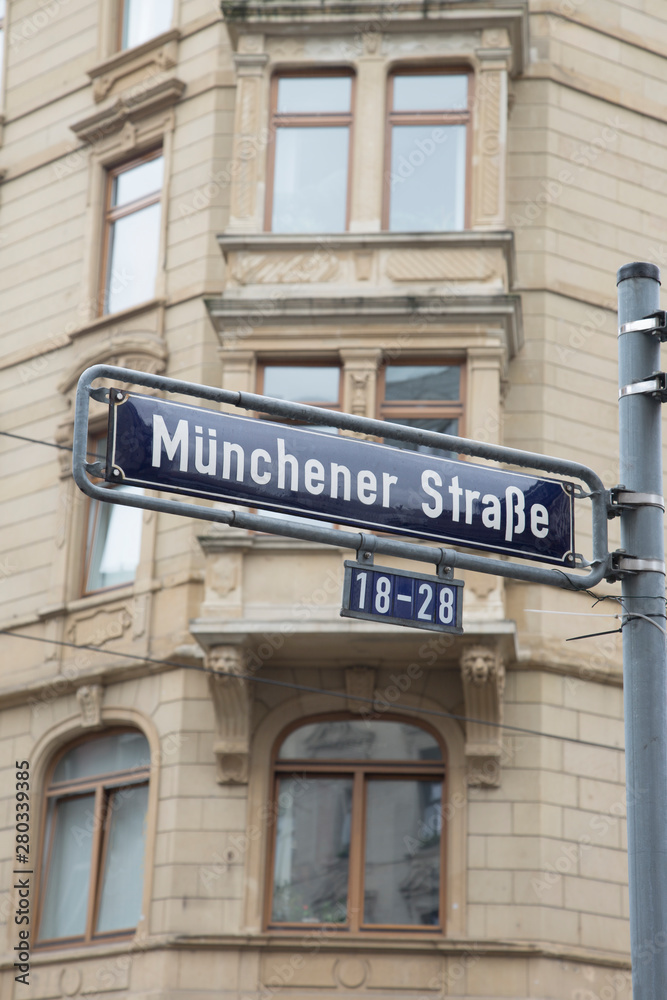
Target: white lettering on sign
{"points": [[449, 499], [161, 439]]}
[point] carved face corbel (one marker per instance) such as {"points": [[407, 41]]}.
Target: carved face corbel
{"points": [[232, 704], [483, 677]]}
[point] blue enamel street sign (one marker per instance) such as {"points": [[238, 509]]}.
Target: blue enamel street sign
{"points": [[397, 597], [169, 446]]}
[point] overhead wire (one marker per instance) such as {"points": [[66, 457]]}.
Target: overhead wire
{"points": [[48, 444], [314, 690], [308, 689]]}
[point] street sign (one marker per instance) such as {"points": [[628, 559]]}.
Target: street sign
{"points": [[161, 445], [397, 597]]}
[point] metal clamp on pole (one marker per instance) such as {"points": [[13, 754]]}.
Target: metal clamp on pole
{"points": [[621, 499], [656, 323], [443, 569], [622, 563], [655, 386]]}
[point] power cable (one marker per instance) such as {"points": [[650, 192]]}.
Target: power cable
{"points": [[374, 702]]}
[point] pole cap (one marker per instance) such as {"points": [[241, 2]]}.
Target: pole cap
{"points": [[638, 269]]}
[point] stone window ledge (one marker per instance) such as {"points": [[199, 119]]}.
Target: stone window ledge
{"points": [[478, 256]]}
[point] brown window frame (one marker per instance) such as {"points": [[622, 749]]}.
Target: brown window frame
{"points": [[423, 409], [308, 120], [361, 771], [102, 786], [434, 118], [113, 214]]}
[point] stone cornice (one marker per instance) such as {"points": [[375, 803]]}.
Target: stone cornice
{"points": [[296, 17], [503, 311]]}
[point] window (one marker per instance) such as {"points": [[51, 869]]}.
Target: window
{"points": [[143, 19], [310, 155], [132, 232], [428, 396], [314, 384], [91, 876], [358, 839], [428, 115], [113, 538]]}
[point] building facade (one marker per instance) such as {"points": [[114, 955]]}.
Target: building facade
{"points": [[401, 210]]}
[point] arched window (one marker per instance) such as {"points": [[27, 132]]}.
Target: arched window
{"points": [[91, 874], [358, 838]]}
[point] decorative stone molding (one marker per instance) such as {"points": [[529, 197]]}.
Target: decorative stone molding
{"points": [[483, 677], [250, 136], [99, 626], [89, 698], [359, 683], [373, 19], [231, 702], [159, 53], [153, 95], [144, 352]]}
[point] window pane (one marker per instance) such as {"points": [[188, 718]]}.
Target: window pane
{"points": [[417, 382], [430, 92], [138, 182], [123, 879], [351, 739], [427, 178], [114, 543], [144, 19], [310, 877], [3, 8], [104, 755], [442, 425], [66, 895], [133, 259], [314, 94], [310, 180], [402, 864], [302, 383]]}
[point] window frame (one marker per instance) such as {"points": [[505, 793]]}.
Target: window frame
{"points": [[120, 22], [308, 120], [423, 409], [434, 118], [113, 214], [362, 772], [301, 362], [103, 811]]}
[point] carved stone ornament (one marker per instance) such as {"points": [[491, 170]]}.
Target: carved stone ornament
{"points": [[231, 702], [483, 677], [89, 698]]}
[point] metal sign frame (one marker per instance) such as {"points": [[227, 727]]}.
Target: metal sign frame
{"points": [[598, 567], [433, 581]]}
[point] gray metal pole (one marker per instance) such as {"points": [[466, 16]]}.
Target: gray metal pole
{"points": [[644, 652]]}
